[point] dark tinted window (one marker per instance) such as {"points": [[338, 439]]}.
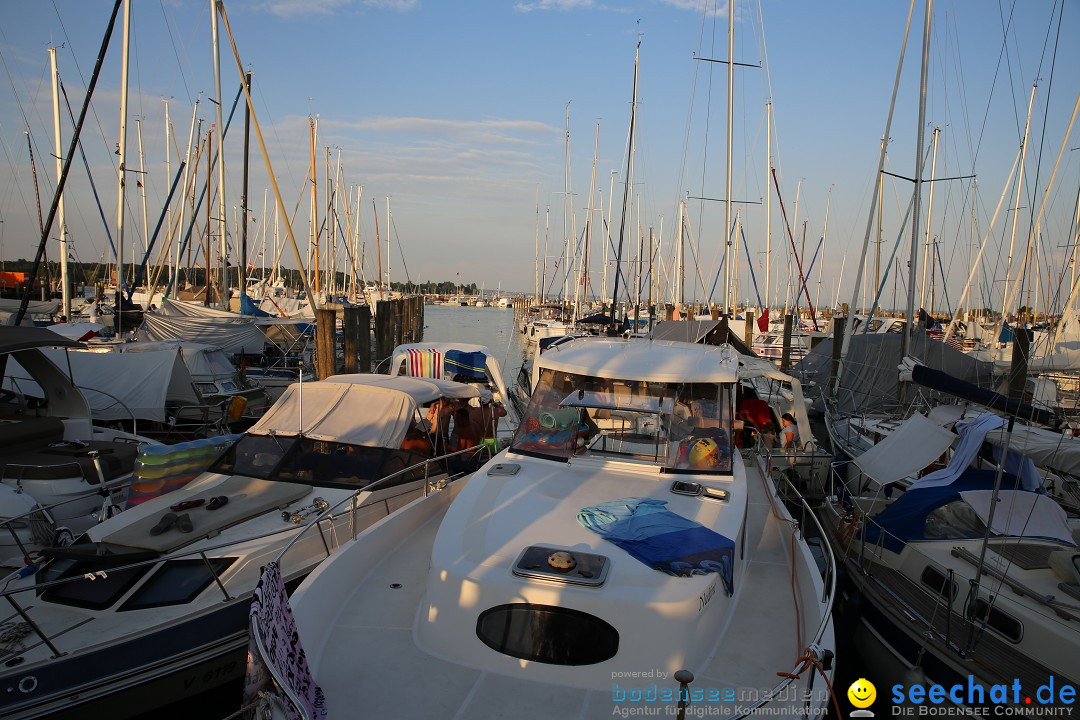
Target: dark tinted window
{"points": [[177, 582], [105, 589], [1007, 625], [936, 581], [547, 634]]}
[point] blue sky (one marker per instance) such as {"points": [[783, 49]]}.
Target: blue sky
{"points": [[456, 111]]}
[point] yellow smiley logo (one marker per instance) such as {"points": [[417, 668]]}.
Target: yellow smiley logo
{"points": [[862, 693]]}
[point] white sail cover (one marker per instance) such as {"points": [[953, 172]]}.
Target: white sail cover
{"points": [[916, 443], [230, 332], [1045, 447], [1020, 514], [350, 413]]}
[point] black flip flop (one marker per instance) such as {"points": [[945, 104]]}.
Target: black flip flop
{"points": [[216, 502], [167, 521], [183, 523], [188, 504]]}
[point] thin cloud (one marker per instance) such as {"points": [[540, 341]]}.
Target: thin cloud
{"points": [[292, 8], [553, 5]]}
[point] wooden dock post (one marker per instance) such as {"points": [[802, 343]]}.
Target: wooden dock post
{"points": [[748, 331], [384, 327], [364, 337], [325, 343], [1018, 369], [351, 333]]}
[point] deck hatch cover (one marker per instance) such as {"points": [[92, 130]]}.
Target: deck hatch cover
{"points": [[561, 565]]}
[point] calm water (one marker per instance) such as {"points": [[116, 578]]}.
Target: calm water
{"points": [[493, 327]]}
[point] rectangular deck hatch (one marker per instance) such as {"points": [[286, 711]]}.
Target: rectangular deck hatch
{"points": [[561, 565]]}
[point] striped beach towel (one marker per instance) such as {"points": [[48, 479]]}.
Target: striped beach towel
{"points": [[468, 364], [424, 363]]}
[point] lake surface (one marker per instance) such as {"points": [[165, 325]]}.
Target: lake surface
{"points": [[493, 327]]}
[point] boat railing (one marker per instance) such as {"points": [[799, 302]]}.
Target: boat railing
{"points": [[807, 525], [356, 500], [203, 552]]}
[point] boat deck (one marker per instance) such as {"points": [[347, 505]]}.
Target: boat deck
{"points": [[370, 664]]}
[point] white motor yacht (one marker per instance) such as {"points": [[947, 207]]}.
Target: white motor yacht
{"points": [[620, 557]]}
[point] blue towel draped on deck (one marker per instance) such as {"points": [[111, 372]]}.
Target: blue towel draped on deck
{"points": [[664, 541]]}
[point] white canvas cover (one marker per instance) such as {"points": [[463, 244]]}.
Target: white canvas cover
{"points": [[143, 382], [422, 390], [1020, 514], [916, 443], [204, 362], [654, 361], [232, 333], [351, 413], [1045, 447]]}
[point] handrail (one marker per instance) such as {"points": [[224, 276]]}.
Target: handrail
{"points": [[355, 496]]}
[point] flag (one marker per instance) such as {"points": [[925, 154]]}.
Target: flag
{"points": [[763, 321], [138, 183]]}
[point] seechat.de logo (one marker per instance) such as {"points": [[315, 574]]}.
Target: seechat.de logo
{"points": [[861, 694]]}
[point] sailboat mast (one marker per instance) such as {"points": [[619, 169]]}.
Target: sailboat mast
{"points": [[727, 189], [244, 191], [626, 189], [65, 293], [914, 254], [314, 209], [221, 160], [121, 149], [768, 209]]}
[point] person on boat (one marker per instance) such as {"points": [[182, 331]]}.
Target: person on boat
{"points": [[789, 431], [768, 435]]}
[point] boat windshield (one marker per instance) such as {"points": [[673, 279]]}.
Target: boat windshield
{"points": [[679, 426], [303, 460]]}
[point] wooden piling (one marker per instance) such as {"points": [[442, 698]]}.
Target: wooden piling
{"points": [[325, 343], [1018, 370], [384, 325], [785, 354], [351, 336], [748, 331]]}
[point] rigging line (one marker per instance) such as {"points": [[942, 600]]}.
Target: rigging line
{"points": [[1046, 110], [89, 175], [401, 252], [176, 54], [67, 164]]}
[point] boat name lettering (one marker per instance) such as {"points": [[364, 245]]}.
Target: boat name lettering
{"points": [[706, 597], [221, 671]]}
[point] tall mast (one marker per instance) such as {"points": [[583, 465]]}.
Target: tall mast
{"points": [[914, 255], [626, 187], [222, 228], [536, 265], [314, 209], [65, 293], [927, 252], [244, 192], [768, 208], [727, 190], [168, 173], [121, 149]]}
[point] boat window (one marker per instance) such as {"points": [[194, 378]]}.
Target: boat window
{"points": [[953, 520], [256, 456], [98, 593], [874, 325], [228, 386], [206, 388], [936, 581], [679, 426], [995, 619], [547, 634], [177, 582]]}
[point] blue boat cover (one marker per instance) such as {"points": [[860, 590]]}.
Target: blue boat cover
{"points": [[661, 539], [905, 518], [469, 364], [248, 307]]}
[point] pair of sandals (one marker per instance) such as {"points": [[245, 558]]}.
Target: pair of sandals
{"points": [[168, 520], [182, 521], [215, 503]]}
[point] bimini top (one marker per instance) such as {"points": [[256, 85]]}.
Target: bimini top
{"points": [[368, 410], [655, 361], [423, 390]]}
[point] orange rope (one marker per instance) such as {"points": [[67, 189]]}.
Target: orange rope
{"points": [[807, 659]]}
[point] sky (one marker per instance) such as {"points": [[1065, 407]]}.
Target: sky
{"points": [[455, 115]]}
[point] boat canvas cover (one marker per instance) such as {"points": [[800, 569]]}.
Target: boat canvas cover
{"points": [[869, 380], [904, 520], [1020, 514], [1045, 447], [232, 333], [422, 390], [916, 443], [204, 362], [653, 361], [350, 413], [119, 386]]}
